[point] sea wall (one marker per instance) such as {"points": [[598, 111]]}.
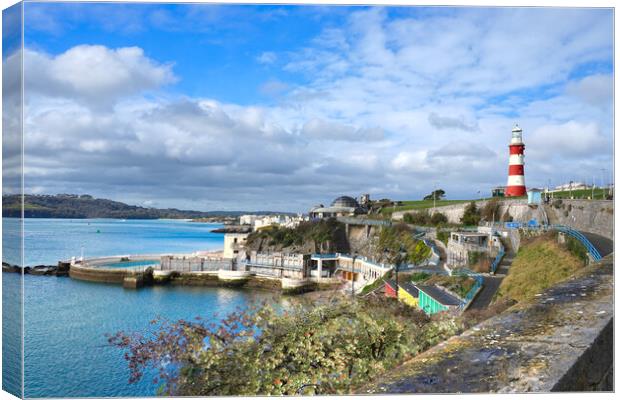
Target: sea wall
{"points": [[222, 278], [595, 216], [561, 341]]}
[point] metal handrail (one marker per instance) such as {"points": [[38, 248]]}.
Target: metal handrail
{"points": [[498, 260], [579, 236], [596, 255]]}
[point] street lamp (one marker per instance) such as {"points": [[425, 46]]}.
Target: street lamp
{"points": [[353, 276], [397, 260]]}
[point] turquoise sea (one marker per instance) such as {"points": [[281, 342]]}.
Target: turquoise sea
{"points": [[66, 353]]}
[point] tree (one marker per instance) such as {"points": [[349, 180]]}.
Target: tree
{"points": [[328, 348], [471, 215], [436, 195]]}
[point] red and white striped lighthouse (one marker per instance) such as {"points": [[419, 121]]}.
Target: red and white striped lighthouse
{"points": [[516, 175]]}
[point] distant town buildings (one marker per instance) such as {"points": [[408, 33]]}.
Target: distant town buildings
{"points": [[261, 221]]}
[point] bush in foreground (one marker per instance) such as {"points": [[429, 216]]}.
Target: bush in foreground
{"points": [[327, 349]]}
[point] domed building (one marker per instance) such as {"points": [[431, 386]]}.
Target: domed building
{"points": [[343, 206]]}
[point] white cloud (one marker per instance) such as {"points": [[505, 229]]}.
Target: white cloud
{"points": [[96, 74], [267, 57], [572, 139], [389, 106], [320, 129], [595, 90]]}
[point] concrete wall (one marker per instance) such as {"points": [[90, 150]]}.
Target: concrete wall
{"points": [[562, 341], [586, 215], [594, 216]]}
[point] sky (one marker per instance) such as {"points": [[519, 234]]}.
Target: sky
{"points": [[256, 107]]}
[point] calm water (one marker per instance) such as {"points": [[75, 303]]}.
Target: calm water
{"points": [[48, 240], [66, 353]]}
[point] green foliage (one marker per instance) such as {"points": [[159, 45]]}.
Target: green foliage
{"points": [[424, 218], [471, 215], [439, 219], [326, 349], [458, 284], [417, 218], [491, 210], [319, 232], [576, 248], [474, 257], [398, 239], [436, 195], [443, 236], [419, 277]]}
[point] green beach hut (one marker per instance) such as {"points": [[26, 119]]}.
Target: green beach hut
{"points": [[432, 300]]}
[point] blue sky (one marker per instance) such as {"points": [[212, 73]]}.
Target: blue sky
{"points": [[282, 107]]}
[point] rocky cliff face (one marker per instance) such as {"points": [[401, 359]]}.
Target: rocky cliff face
{"points": [[325, 236]]}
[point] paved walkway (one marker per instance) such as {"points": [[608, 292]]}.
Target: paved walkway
{"points": [[491, 285], [604, 245]]}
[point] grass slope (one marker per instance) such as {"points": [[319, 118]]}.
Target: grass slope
{"points": [[599, 194], [538, 265]]}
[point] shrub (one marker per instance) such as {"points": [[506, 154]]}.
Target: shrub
{"points": [[471, 215], [417, 218], [420, 277], [490, 211], [329, 348], [438, 219], [577, 249], [424, 218], [443, 236]]}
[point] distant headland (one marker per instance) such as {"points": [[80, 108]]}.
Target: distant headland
{"points": [[86, 206]]}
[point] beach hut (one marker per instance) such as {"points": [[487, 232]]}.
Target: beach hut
{"points": [[433, 300], [408, 293], [390, 288]]}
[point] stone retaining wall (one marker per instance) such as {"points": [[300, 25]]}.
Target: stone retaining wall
{"points": [[562, 341], [595, 216]]}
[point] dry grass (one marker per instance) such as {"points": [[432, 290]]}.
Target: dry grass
{"points": [[539, 264]]}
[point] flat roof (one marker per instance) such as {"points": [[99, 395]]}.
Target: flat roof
{"points": [[477, 234], [439, 295], [410, 288]]}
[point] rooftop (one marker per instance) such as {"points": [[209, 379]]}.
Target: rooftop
{"points": [[439, 295], [410, 288], [345, 201]]}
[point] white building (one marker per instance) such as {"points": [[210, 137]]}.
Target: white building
{"points": [[248, 219], [285, 221], [233, 242]]}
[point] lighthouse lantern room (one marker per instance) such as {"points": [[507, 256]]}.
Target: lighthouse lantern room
{"points": [[516, 173]]}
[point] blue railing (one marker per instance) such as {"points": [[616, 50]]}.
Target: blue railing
{"points": [[579, 236], [472, 292], [596, 255], [326, 255], [497, 261]]}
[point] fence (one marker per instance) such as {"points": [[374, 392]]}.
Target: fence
{"points": [[497, 260], [579, 236], [596, 255], [472, 292]]}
